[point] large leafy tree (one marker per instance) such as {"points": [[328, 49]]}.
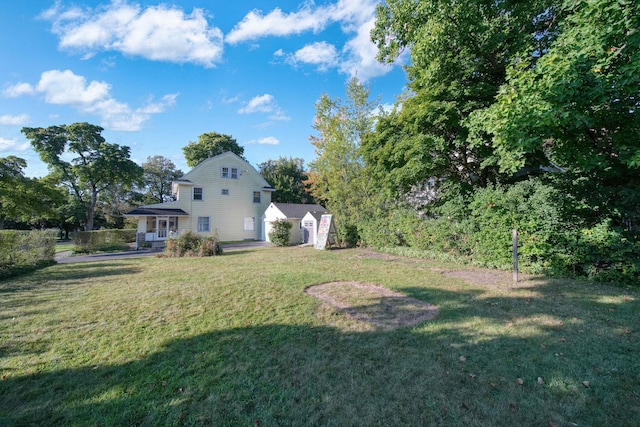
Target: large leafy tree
{"points": [[460, 52], [96, 164], [24, 199], [287, 176], [209, 145], [159, 173], [337, 173], [576, 103]]}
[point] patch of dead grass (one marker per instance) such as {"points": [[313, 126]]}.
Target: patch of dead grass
{"points": [[373, 305]]}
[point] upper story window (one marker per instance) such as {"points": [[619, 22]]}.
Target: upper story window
{"points": [[225, 191], [229, 173], [198, 193], [256, 197]]}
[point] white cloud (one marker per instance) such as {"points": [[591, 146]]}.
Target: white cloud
{"points": [[12, 145], [158, 33], [18, 90], [255, 25], [359, 55], [265, 104], [260, 104], [67, 88], [20, 120], [356, 19], [269, 140], [321, 54]]}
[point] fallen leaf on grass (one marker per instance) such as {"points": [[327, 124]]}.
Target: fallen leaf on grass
{"points": [[587, 384], [463, 359], [540, 380], [519, 381]]}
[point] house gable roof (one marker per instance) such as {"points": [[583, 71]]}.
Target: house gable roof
{"points": [[184, 180], [297, 210], [316, 215]]}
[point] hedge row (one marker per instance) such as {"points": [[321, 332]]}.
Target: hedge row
{"points": [[478, 229], [102, 240], [22, 251], [190, 244]]}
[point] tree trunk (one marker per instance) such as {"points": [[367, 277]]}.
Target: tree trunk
{"points": [[91, 210]]}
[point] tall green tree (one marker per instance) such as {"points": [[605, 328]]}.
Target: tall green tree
{"points": [[337, 173], [576, 103], [287, 176], [209, 145], [24, 199], [460, 52], [97, 164], [159, 173]]}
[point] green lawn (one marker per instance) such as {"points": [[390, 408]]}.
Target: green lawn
{"points": [[63, 247], [234, 340]]}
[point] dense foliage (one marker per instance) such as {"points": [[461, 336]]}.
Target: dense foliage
{"points": [[190, 244], [96, 166], [158, 175], [280, 233], [210, 144], [517, 115], [102, 240], [337, 177], [22, 251], [23, 198], [288, 177]]}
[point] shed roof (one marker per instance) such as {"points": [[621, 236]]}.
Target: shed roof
{"points": [[298, 210]]}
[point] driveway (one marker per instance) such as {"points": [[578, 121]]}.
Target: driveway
{"points": [[66, 258]]}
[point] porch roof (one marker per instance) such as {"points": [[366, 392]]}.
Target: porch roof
{"points": [[156, 212]]}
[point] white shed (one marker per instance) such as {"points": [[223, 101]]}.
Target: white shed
{"points": [[310, 223], [304, 219]]}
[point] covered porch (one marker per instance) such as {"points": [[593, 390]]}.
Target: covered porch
{"points": [[156, 225]]}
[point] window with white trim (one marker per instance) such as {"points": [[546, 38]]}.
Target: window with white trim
{"points": [[204, 224], [256, 197], [225, 191], [249, 223], [234, 173], [198, 193], [225, 172]]}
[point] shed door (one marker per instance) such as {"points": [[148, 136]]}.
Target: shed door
{"points": [[308, 230]]}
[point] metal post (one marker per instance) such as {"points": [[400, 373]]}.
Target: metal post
{"points": [[515, 255]]}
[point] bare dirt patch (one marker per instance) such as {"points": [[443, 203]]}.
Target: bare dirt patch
{"points": [[486, 277], [373, 305]]}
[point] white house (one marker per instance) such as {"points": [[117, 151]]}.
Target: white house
{"points": [[222, 195], [304, 219]]}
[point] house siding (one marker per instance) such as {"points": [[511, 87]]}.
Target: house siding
{"points": [[227, 213]]}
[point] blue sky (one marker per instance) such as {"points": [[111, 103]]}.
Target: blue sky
{"points": [[156, 75]]}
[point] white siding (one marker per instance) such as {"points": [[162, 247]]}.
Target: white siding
{"points": [[272, 214], [227, 212]]}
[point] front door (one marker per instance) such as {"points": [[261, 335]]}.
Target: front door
{"points": [[308, 231], [163, 227]]}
